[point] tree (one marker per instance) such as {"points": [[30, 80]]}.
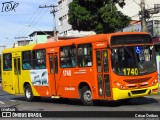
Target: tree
{"points": [[100, 16]]}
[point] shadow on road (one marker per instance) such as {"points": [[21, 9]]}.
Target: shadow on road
{"points": [[135, 101]]}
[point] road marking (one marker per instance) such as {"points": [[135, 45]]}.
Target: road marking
{"points": [[2, 102], [158, 97], [13, 100]]}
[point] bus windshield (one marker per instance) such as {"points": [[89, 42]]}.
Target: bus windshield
{"points": [[133, 60]]}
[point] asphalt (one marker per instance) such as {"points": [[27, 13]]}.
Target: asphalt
{"points": [[152, 96]]}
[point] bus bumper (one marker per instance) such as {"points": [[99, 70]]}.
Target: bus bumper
{"points": [[124, 94]]}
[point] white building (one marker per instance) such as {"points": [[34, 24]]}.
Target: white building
{"points": [[132, 8], [64, 28]]}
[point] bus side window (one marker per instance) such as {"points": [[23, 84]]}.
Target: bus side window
{"points": [[68, 56], [85, 55], [26, 60], [7, 62], [39, 59]]}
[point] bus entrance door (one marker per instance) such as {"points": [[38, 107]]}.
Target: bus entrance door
{"points": [[53, 73], [104, 90], [17, 74]]}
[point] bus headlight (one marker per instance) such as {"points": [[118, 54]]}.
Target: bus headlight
{"points": [[154, 82], [119, 85]]}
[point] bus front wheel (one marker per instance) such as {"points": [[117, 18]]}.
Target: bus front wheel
{"points": [[86, 96], [28, 93]]}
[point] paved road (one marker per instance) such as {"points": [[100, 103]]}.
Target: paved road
{"points": [[150, 103]]}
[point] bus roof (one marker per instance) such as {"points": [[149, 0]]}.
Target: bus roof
{"points": [[16, 49], [83, 40]]}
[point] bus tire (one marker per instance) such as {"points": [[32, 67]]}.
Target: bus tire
{"points": [[28, 93], [86, 96]]}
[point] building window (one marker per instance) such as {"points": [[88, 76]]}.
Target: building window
{"points": [[60, 21], [7, 62], [60, 5], [39, 59], [64, 17], [68, 56], [84, 55], [156, 7]]}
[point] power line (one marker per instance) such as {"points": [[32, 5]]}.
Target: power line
{"points": [[54, 18], [146, 14], [23, 28], [7, 39], [30, 21], [35, 23], [33, 20]]}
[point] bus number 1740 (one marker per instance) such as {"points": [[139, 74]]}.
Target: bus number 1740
{"points": [[130, 71]]}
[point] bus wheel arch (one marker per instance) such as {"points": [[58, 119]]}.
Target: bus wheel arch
{"points": [[28, 92], [85, 94]]}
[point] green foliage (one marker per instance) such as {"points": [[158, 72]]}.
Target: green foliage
{"points": [[100, 16]]}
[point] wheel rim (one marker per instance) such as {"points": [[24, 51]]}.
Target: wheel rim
{"points": [[28, 93], [88, 96]]}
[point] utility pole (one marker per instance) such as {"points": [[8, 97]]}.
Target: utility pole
{"points": [[54, 19], [144, 15]]}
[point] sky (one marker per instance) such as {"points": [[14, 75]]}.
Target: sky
{"points": [[20, 18]]}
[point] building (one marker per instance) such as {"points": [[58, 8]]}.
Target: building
{"points": [[134, 26], [153, 27], [47, 36], [22, 43], [40, 36], [132, 8], [65, 29]]}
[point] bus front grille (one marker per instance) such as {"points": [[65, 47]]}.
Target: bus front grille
{"points": [[138, 92], [134, 81]]}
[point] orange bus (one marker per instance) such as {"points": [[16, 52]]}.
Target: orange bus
{"points": [[116, 66]]}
